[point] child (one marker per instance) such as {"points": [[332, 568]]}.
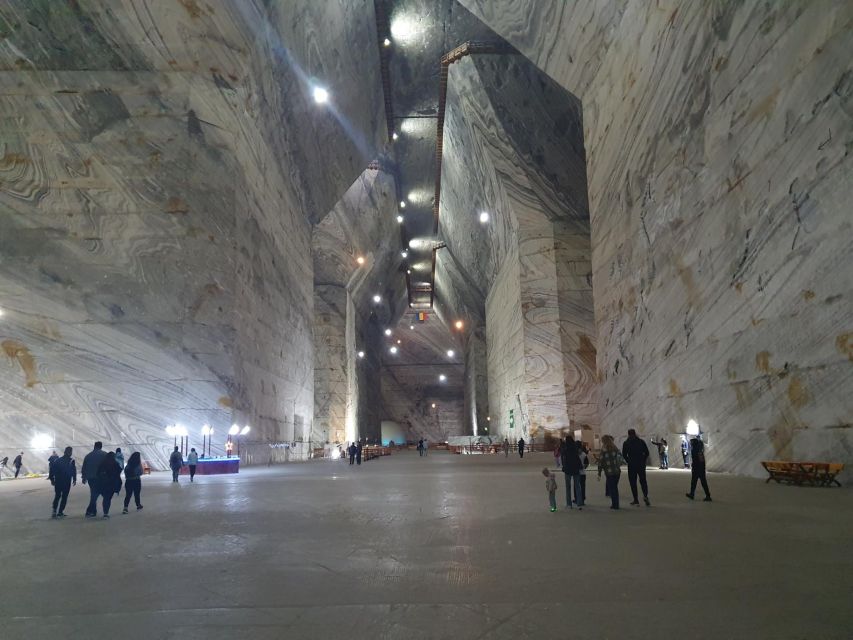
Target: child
{"points": [[551, 486]]}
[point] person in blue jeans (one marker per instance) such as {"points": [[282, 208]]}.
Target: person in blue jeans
{"points": [[610, 463], [571, 464], [551, 488]]}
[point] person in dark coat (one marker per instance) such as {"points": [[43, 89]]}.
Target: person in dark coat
{"points": [[421, 447], [133, 481], [51, 459], [571, 469], [109, 480], [62, 473], [697, 470], [89, 475], [685, 452], [18, 462], [636, 454], [176, 461], [584, 458], [521, 447], [358, 452], [352, 450]]}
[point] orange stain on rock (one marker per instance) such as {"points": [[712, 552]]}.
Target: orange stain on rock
{"points": [[674, 389], [808, 294], [226, 401], [177, 205], [762, 361], [586, 352], [797, 393], [17, 351], [844, 344]]}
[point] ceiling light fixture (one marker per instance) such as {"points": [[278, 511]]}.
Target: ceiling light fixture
{"points": [[361, 354], [459, 324], [442, 378], [394, 135], [450, 353], [321, 95], [360, 259], [399, 341], [393, 349], [402, 204], [386, 42], [412, 327], [377, 298], [387, 332], [404, 253], [484, 217], [400, 219]]}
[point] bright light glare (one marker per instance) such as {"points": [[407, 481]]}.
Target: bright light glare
{"points": [[377, 299], [412, 327], [245, 430], [170, 430], [400, 219], [393, 349], [361, 354], [1, 312], [386, 42], [442, 377], [321, 96], [181, 431], [404, 253], [387, 332], [360, 259], [205, 430], [459, 324], [394, 136], [450, 353], [484, 217], [41, 441], [234, 430], [336, 454], [402, 204], [692, 428], [433, 405], [403, 28]]}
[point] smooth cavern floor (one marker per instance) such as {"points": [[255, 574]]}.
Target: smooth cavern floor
{"points": [[442, 547]]}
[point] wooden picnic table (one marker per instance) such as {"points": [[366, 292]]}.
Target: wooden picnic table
{"points": [[819, 474]]}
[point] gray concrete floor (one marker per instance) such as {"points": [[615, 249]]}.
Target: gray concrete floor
{"points": [[442, 547]]}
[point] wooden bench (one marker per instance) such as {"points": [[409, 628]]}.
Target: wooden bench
{"points": [[819, 474]]}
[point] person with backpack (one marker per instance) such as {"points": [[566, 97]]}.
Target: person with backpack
{"points": [[133, 481], [62, 473], [89, 475], [109, 480], [176, 461], [610, 463], [192, 462], [697, 468]]}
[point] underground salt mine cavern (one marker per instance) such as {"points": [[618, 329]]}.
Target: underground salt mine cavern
{"points": [[426, 319]]}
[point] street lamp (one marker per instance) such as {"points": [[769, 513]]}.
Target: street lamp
{"points": [[205, 432]]}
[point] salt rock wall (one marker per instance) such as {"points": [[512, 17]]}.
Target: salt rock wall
{"points": [[718, 138], [513, 148], [158, 174]]}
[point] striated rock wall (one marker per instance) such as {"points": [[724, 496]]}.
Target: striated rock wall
{"points": [[158, 175], [718, 138]]}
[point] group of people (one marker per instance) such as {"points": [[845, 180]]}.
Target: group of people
{"points": [[17, 463], [573, 458], [101, 472], [423, 447], [520, 446], [354, 452]]}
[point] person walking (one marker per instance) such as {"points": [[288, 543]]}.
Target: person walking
{"points": [[109, 480], [697, 471], [192, 461], [609, 463], [53, 457], [119, 457], [421, 447], [133, 481], [521, 447], [558, 453], [351, 450], [89, 476], [18, 462], [685, 452], [3, 462], [636, 454], [176, 461], [551, 488], [571, 469], [584, 458], [506, 448], [62, 473], [426, 446], [358, 448]]}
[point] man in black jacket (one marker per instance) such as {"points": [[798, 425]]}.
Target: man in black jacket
{"points": [[571, 463], [18, 462], [89, 475], [62, 474], [636, 453]]}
